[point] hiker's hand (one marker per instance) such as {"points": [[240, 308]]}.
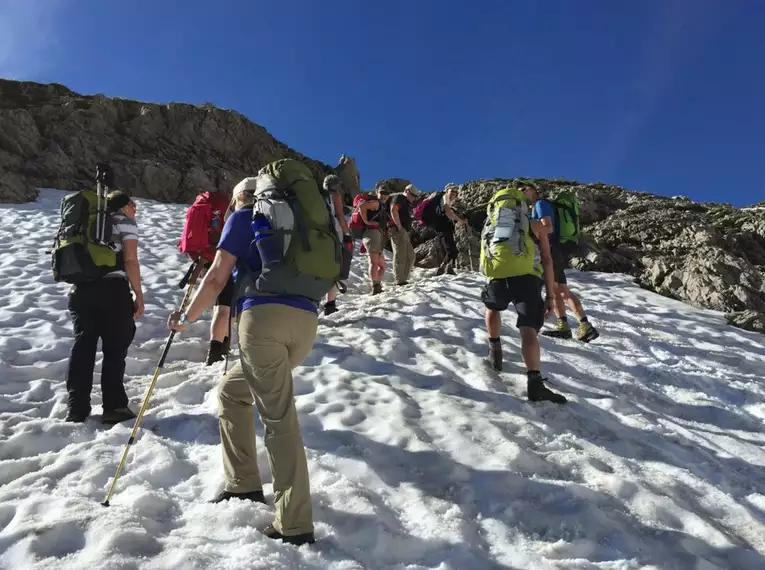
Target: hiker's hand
{"points": [[173, 323], [549, 306], [138, 307]]}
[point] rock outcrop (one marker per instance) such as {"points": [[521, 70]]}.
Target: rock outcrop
{"points": [[709, 255], [53, 137]]}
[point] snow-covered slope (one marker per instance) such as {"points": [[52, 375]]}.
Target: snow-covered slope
{"points": [[419, 456]]}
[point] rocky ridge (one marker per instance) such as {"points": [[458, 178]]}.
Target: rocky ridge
{"points": [[53, 137]]}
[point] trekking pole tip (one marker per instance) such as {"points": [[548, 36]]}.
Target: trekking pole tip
{"points": [[105, 504]]}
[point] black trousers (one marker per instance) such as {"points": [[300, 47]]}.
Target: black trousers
{"points": [[101, 309], [448, 245]]}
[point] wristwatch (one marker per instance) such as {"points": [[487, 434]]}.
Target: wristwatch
{"points": [[183, 319]]}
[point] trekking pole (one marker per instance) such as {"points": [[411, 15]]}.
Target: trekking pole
{"points": [[470, 249], [145, 404], [229, 344]]}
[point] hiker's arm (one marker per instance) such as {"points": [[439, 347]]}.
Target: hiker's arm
{"points": [[394, 214], [133, 271], [213, 283], [451, 215], [545, 218], [547, 263], [337, 202]]}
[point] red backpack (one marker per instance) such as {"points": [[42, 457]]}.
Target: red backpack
{"points": [[426, 210], [203, 226], [358, 200]]}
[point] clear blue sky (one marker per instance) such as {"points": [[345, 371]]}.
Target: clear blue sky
{"points": [[664, 96]]}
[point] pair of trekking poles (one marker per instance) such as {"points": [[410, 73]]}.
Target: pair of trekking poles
{"points": [[190, 279]]}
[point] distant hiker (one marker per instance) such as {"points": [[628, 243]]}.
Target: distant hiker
{"points": [[199, 239], [517, 263], [334, 187], [286, 252], [102, 266], [560, 221], [436, 212], [368, 220], [399, 226]]}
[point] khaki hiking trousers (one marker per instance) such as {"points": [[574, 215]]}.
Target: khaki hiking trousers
{"points": [[403, 254], [273, 340]]}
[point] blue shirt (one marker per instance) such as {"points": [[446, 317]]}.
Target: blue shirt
{"points": [[238, 240], [543, 209]]}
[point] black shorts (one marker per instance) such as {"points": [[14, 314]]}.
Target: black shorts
{"points": [[226, 297], [561, 254], [524, 292]]}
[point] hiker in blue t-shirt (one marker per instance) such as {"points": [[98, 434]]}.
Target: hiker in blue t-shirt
{"points": [[543, 211], [276, 333]]}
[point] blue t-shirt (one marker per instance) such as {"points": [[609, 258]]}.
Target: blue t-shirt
{"points": [[237, 239], [543, 209]]}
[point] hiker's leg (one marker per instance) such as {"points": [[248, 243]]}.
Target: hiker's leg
{"points": [[451, 248], [332, 295], [117, 331], [275, 339], [222, 312], [409, 257], [526, 292], [493, 323], [236, 423], [399, 254], [82, 358], [572, 300], [559, 276]]}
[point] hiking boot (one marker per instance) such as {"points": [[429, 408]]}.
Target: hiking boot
{"points": [[225, 346], [495, 355], [450, 269], [297, 539], [560, 330], [329, 308], [538, 392], [76, 416], [586, 332], [117, 416], [377, 288], [402, 283], [254, 496], [215, 353]]}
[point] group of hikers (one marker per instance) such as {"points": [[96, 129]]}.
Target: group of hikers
{"points": [[272, 255]]}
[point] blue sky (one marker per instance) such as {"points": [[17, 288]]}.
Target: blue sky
{"points": [[664, 96]]}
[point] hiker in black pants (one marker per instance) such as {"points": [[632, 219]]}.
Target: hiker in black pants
{"points": [[443, 224], [104, 308]]}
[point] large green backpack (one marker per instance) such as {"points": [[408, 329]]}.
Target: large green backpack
{"points": [[77, 255], [566, 205], [508, 248], [295, 234]]}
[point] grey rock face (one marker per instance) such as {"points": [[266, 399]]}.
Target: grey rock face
{"points": [[53, 137]]}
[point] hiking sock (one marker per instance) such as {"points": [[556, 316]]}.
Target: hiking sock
{"points": [[495, 353], [538, 392]]}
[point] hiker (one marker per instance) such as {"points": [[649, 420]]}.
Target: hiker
{"points": [[333, 185], [516, 259], [367, 223], [105, 308], [560, 250], [278, 292], [399, 226], [199, 238], [436, 212]]}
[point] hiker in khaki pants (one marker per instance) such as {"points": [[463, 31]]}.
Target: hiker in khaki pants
{"points": [[399, 226], [276, 333]]}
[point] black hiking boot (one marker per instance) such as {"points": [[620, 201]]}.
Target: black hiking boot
{"points": [[450, 269], [330, 307], [117, 416], [225, 346], [76, 416], [254, 496], [441, 269], [495, 356], [377, 288], [402, 283], [297, 539], [215, 353], [538, 392]]}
